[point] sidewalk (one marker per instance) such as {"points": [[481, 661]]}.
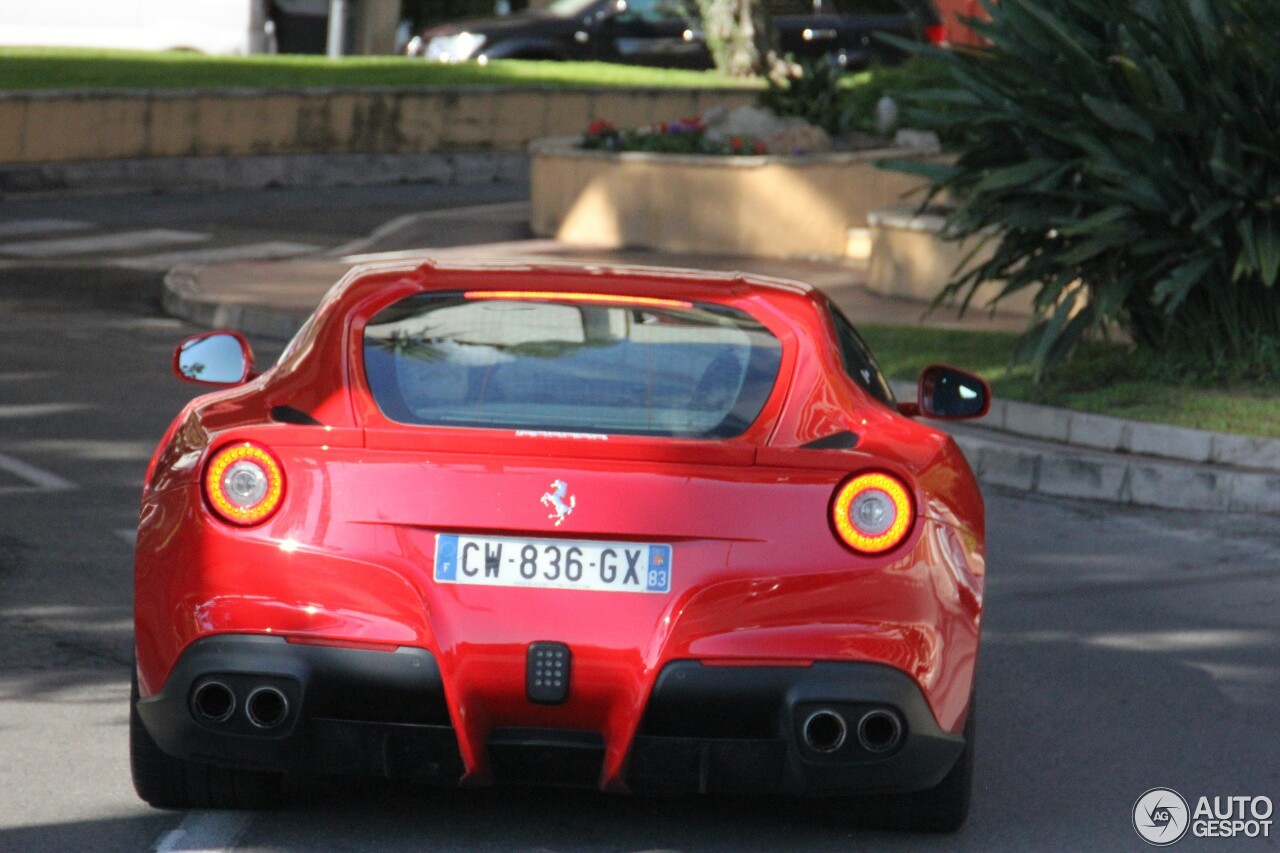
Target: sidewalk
{"points": [[1031, 448]]}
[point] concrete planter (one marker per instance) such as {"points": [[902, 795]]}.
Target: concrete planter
{"points": [[911, 260], [768, 206]]}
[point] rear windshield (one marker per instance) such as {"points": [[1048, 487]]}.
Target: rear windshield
{"points": [[680, 370]]}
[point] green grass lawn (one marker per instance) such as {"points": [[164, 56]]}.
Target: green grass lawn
{"points": [[1101, 379], [56, 68]]}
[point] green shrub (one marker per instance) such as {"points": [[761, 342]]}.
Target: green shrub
{"points": [[809, 89], [863, 90], [824, 94], [1126, 156]]}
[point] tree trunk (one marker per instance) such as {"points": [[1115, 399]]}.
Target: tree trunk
{"points": [[735, 33]]}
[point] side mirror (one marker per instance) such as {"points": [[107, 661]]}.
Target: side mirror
{"points": [[214, 358], [948, 393]]}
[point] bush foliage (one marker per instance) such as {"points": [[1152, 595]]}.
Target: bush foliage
{"points": [[1125, 156], [824, 94], [811, 90]]}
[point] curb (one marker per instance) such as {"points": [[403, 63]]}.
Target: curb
{"points": [[1118, 435], [1029, 448], [182, 298], [1062, 453], [152, 174], [1102, 432], [1111, 478]]}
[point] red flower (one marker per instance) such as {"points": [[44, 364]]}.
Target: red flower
{"points": [[600, 126], [695, 122], [761, 148], [662, 128], [735, 142]]}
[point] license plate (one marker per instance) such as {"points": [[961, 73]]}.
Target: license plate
{"points": [[553, 563]]}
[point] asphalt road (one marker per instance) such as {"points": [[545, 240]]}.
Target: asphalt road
{"points": [[1124, 649]]}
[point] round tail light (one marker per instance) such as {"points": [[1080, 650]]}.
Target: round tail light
{"points": [[872, 513], [244, 484]]}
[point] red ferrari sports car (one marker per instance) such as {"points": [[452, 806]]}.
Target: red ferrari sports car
{"points": [[639, 529]]}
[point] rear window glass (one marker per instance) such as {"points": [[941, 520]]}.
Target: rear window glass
{"points": [[701, 371]]}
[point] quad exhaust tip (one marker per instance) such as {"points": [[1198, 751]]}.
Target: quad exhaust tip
{"points": [[879, 731], [824, 731], [266, 707], [214, 702]]}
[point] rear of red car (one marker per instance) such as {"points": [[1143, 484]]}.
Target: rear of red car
{"points": [[620, 529]]}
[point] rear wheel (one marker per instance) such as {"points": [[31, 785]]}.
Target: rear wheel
{"points": [[172, 783], [945, 806], [942, 808]]}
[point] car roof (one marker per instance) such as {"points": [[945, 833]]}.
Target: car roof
{"points": [[314, 369]]}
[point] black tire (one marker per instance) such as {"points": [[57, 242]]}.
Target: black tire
{"points": [[945, 807], [172, 783], [942, 808]]}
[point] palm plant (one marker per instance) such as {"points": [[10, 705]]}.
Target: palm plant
{"points": [[1124, 158]]}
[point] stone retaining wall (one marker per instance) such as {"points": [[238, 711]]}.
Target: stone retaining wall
{"points": [[58, 127]]}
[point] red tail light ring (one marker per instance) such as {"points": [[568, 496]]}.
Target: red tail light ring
{"points": [[244, 484], [872, 513]]}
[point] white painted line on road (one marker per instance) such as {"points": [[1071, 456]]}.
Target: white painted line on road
{"points": [[39, 410], [23, 227], [26, 375], [205, 832], [247, 252], [128, 534], [511, 211], [37, 477], [88, 449], [121, 242]]}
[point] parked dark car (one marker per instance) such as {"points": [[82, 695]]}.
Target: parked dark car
{"points": [[668, 32]]}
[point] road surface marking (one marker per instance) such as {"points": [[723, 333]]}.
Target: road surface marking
{"points": [[24, 227], [247, 252], [37, 477], [26, 375], [128, 534], [517, 211], [101, 243], [88, 449], [205, 832], [39, 410]]}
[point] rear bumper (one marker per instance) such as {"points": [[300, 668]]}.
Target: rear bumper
{"points": [[349, 711], [704, 729], [758, 745]]}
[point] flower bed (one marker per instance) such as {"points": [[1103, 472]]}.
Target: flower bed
{"points": [[686, 136]]}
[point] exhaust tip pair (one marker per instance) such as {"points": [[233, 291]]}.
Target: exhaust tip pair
{"points": [[265, 707], [826, 731]]}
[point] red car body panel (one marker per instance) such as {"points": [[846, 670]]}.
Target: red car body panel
{"points": [[760, 577]]}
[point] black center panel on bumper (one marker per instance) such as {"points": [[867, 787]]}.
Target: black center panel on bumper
{"points": [[828, 729], [262, 703]]}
